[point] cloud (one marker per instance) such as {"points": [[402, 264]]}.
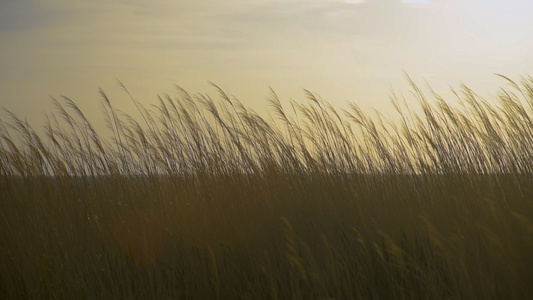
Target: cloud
{"points": [[356, 2], [416, 1]]}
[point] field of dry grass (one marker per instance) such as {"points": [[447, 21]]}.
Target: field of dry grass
{"points": [[206, 199]]}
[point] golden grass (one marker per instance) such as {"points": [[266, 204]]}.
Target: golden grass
{"points": [[205, 199]]}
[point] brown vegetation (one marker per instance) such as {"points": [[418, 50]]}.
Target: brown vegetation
{"points": [[206, 199]]}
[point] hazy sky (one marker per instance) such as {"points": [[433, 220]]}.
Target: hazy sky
{"points": [[346, 50]]}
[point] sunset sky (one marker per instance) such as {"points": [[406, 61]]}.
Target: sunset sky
{"points": [[345, 50]]}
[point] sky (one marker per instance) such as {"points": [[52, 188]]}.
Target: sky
{"points": [[344, 50]]}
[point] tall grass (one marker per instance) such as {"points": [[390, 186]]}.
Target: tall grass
{"points": [[207, 199]]}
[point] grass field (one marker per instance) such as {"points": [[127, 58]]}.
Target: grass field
{"points": [[206, 199]]}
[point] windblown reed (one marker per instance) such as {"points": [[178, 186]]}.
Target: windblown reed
{"points": [[208, 199]]}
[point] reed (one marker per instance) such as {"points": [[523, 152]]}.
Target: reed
{"points": [[208, 199]]}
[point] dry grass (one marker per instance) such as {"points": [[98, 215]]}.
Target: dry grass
{"points": [[204, 199]]}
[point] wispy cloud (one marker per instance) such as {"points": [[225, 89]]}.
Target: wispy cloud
{"points": [[416, 1], [356, 2]]}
